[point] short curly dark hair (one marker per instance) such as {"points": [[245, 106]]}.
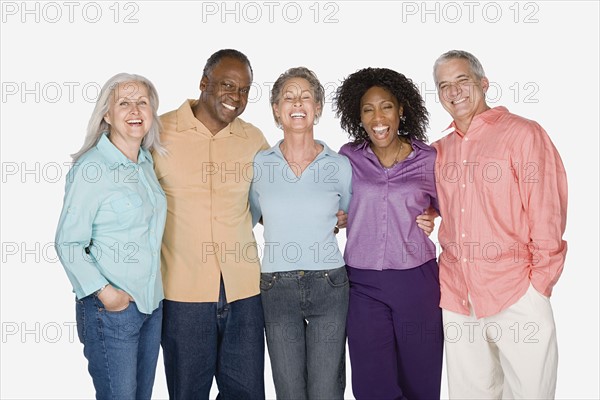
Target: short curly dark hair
{"points": [[349, 94]]}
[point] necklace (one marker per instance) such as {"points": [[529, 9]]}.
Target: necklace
{"points": [[397, 154], [396, 161]]}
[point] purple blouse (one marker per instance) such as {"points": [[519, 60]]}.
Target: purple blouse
{"points": [[382, 231]]}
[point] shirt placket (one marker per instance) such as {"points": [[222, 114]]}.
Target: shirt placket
{"points": [[213, 191], [384, 217], [465, 192], [153, 239]]}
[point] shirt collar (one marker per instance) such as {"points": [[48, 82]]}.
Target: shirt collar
{"points": [[416, 144], [327, 152], [187, 120], [113, 155], [144, 156], [487, 117]]}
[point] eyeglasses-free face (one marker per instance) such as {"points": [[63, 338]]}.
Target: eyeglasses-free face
{"points": [[225, 91], [461, 93]]}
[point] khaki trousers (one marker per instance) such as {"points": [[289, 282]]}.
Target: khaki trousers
{"points": [[512, 354]]}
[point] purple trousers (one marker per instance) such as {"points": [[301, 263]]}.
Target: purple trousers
{"points": [[395, 333]]}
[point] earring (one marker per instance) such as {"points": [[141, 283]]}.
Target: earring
{"points": [[403, 118]]}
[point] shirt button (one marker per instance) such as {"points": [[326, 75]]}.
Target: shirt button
{"points": [[466, 139], [462, 210], [464, 302], [463, 235], [464, 260], [463, 185], [464, 161], [301, 273]]}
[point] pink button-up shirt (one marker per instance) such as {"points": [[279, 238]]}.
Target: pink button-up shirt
{"points": [[502, 191]]}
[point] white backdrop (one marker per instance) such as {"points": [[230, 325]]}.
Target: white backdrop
{"points": [[541, 57]]}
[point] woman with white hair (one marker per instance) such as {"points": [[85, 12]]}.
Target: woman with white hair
{"points": [[109, 235]]}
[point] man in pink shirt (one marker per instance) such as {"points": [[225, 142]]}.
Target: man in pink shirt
{"points": [[502, 192]]}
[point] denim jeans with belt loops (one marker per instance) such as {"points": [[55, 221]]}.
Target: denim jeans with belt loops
{"points": [[305, 319]]}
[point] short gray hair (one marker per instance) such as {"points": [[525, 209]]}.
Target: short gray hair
{"points": [[298, 72], [97, 125], [474, 63]]}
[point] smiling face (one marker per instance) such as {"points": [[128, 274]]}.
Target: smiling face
{"points": [[129, 112], [461, 93], [380, 115], [297, 108], [224, 93]]}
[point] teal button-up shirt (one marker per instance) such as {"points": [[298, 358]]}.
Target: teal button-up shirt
{"points": [[111, 225]]}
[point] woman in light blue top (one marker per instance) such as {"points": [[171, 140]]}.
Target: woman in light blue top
{"points": [[109, 236], [299, 185]]}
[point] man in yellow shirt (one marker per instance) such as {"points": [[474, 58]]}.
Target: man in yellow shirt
{"points": [[213, 319]]}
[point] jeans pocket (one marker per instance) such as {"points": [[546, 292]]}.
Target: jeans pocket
{"points": [[106, 310], [267, 280], [337, 277], [122, 325], [80, 320], [102, 308]]}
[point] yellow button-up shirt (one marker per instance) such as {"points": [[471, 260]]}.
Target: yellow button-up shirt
{"points": [[208, 232]]}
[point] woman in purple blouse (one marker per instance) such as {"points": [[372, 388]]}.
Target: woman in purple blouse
{"points": [[394, 321]]}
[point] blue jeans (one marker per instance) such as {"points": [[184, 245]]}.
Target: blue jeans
{"points": [[305, 317], [121, 348], [222, 340]]}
